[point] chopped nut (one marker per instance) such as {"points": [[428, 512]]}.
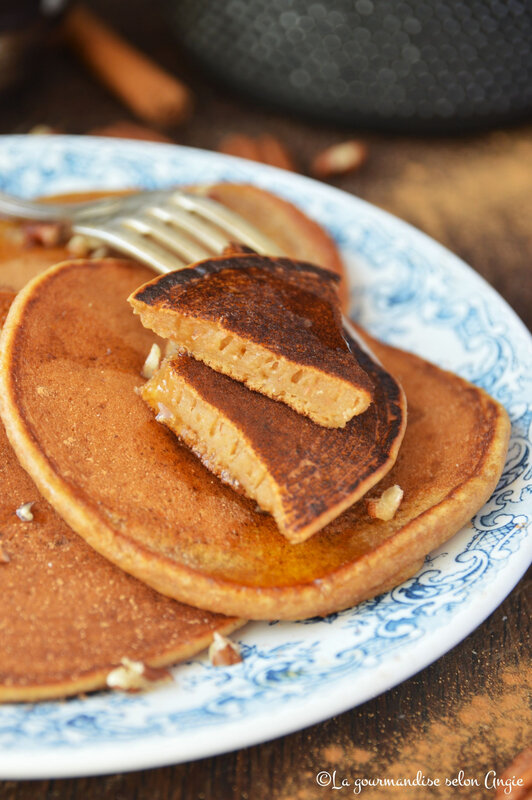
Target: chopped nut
{"points": [[151, 365], [266, 149], [43, 130], [4, 557], [47, 234], [223, 652], [100, 252], [80, 246], [385, 506], [339, 159], [134, 676], [24, 512]]}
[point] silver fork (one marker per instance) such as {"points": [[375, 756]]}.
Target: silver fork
{"points": [[165, 229]]}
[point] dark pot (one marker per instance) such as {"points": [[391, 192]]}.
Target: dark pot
{"points": [[427, 64]]}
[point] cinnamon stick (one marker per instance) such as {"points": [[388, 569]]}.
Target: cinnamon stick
{"points": [[150, 92]]}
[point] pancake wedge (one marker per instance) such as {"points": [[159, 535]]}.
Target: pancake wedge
{"points": [[67, 615], [273, 324], [305, 475], [144, 501]]}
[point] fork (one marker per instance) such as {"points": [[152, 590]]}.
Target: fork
{"points": [[165, 229]]}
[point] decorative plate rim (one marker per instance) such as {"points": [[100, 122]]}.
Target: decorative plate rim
{"points": [[69, 739]]}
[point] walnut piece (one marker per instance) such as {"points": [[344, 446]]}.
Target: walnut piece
{"points": [[134, 676], [385, 506], [80, 246], [151, 365], [223, 652], [23, 512], [339, 159]]}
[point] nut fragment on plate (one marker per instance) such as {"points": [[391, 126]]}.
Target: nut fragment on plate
{"points": [[81, 246], [266, 149], [24, 512], [339, 159], [134, 676], [223, 652], [385, 506], [43, 130], [153, 360], [4, 557]]}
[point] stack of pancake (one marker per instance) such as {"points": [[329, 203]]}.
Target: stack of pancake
{"points": [[164, 528]]}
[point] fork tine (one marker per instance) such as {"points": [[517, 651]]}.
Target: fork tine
{"points": [[204, 232], [135, 245], [149, 225], [233, 224]]}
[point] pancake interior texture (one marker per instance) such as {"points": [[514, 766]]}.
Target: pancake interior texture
{"points": [[68, 615], [272, 323], [72, 353], [304, 474]]}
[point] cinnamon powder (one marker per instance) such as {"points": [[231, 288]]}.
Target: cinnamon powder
{"points": [[484, 732]]}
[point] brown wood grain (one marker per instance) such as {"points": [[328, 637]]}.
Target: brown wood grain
{"points": [[474, 194]]}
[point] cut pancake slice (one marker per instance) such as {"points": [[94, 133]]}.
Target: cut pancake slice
{"points": [[67, 615], [305, 475], [72, 353], [273, 324]]}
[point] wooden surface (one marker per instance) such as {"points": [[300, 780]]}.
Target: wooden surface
{"points": [[468, 710]]}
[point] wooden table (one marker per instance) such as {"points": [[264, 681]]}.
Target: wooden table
{"points": [[474, 194]]}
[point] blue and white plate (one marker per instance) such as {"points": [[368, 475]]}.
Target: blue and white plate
{"points": [[409, 291]]}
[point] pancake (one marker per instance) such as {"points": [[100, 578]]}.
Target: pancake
{"points": [[68, 616], [72, 353], [272, 323], [304, 474]]}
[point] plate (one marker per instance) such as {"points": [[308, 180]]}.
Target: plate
{"points": [[407, 290]]}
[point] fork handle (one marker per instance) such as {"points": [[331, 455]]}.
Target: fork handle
{"points": [[43, 212]]}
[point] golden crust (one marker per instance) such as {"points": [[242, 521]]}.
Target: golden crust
{"points": [[273, 323], [297, 235], [142, 500]]}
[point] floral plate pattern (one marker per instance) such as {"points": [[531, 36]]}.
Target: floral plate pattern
{"points": [[407, 290]]}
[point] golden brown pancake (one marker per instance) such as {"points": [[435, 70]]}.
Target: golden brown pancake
{"points": [[273, 324], [68, 615], [71, 359], [305, 475]]}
